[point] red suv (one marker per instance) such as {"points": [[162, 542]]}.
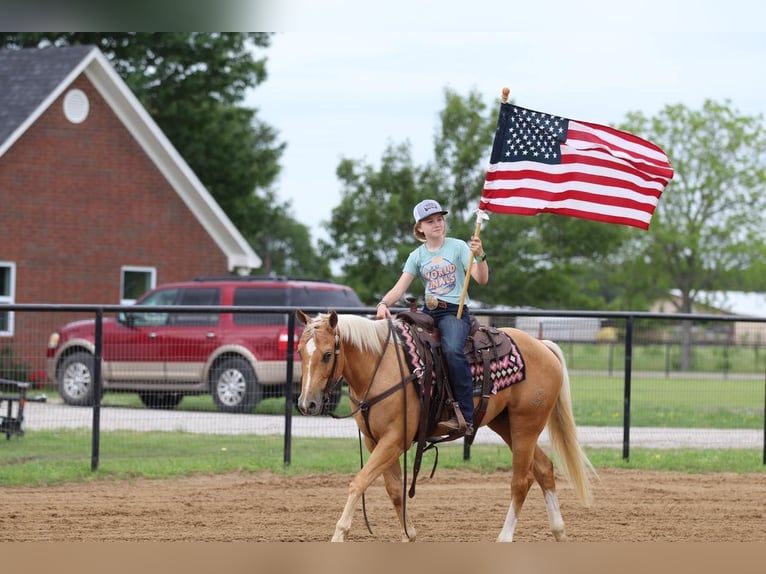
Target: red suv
{"points": [[237, 357]]}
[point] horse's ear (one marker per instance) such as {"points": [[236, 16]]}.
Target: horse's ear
{"points": [[333, 319], [302, 317]]}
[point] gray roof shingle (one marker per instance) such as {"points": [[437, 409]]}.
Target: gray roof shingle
{"points": [[28, 76]]}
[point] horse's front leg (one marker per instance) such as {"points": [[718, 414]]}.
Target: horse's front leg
{"points": [[344, 522], [381, 457], [394, 487]]}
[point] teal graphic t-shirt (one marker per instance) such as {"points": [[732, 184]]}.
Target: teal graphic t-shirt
{"points": [[442, 271]]}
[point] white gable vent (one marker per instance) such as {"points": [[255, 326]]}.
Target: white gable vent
{"points": [[76, 106]]}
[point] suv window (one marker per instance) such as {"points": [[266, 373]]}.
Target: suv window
{"points": [[253, 297], [325, 298], [161, 297], [201, 296]]}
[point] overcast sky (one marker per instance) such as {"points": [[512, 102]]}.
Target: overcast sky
{"points": [[347, 77]]}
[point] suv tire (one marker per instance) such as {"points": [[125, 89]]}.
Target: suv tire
{"points": [[76, 382], [159, 400], [234, 386]]}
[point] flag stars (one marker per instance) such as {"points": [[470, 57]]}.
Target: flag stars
{"points": [[534, 136]]}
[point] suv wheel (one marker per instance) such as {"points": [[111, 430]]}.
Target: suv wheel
{"points": [[234, 387], [157, 400], [76, 382]]}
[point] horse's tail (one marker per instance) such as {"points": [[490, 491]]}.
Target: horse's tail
{"points": [[573, 461]]}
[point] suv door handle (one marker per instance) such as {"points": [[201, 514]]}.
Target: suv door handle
{"points": [[152, 335], [210, 335]]}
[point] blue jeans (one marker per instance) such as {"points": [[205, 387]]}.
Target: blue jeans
{"points": [[454, 333]]}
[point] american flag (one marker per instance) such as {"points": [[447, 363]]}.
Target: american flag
{"points": [[546, 163]]}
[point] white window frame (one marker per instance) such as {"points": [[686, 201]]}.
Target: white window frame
{"points": [[151, 271], [9, 298]]}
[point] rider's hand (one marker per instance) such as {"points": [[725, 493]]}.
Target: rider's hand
{"points": [[382, 311], [476, 247]]}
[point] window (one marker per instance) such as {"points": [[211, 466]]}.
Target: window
{"points": [[135, 281], [201, 297], [7, 295], [162, 297], [257, 297]]}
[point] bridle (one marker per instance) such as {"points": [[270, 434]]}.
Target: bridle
{"points": [[366, 403], [333, 382]]}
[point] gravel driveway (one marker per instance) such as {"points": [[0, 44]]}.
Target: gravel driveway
{"points": [[52, 416]]}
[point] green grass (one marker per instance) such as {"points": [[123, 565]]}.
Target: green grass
{"points": [[51, 457], [662, 358], [699, 402]]}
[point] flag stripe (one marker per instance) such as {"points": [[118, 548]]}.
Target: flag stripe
{"points": [[587, 171], [638, 219], [559, 192], [632, 148], [543, 163]]}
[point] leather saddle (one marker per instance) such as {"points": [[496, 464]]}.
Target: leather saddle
{"points": [[482, 346]]}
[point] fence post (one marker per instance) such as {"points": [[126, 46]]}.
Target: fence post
{"points": [[667, 359], [96, 431], [764, 421], [626, 399], [286, 458]]}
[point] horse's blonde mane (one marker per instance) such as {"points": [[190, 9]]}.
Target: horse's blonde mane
{"points": [[362, 332], [356, 330]]}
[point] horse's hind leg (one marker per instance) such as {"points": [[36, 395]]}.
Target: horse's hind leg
{"points": [[543, 472], [522, 477], [393, 480]]}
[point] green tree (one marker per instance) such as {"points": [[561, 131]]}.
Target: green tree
{"points": [[708, 228], [370, 231], [545, 261], [285, 246], [193, 84]]}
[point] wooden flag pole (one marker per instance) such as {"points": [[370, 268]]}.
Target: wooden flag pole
{"points": [[480, 216]]}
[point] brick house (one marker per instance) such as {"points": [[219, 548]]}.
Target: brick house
{"points": [[96, 205]]}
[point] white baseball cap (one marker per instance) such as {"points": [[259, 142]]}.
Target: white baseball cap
{"points": [[426, 208]]}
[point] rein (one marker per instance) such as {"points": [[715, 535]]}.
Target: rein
{"points": [[366, 403]]}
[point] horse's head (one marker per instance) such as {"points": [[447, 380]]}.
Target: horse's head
{"points": [[319, 349]]}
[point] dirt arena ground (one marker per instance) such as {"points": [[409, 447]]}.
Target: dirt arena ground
{"points": [[630, 506]]}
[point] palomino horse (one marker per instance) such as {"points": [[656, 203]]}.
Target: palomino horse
{"points": [[362, 352]]}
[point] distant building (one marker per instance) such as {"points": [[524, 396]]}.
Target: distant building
{"points": [[582, 329], [742, 303]]}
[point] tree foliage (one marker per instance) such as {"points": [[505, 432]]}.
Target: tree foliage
{"points": [[708, 228], [193, 85]]}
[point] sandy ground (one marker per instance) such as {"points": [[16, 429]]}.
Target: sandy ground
{"points": [[629, 506]]}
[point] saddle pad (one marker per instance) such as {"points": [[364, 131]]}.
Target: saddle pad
{"points": [[507, 370], [411, 354]]}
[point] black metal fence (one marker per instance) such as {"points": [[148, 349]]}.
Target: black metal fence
{"points": [[638, 379]]}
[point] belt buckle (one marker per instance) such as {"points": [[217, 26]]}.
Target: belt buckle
{"points": [[431, 302]]}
